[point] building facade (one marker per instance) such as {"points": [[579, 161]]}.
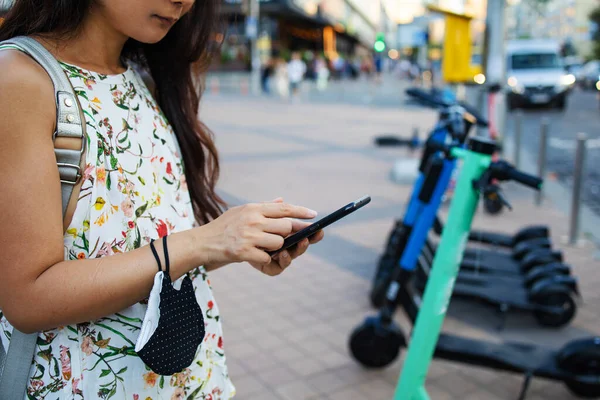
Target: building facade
{"points": [[563, 20], [328, 27]]}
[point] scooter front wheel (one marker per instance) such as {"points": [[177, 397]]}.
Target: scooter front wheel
{"points": [[584, 390], [375, 345]]}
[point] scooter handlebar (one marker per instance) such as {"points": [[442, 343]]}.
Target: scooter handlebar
{"points": [[435, 101], [479, 120], [528, 180], [421, 94], [504, 171]]}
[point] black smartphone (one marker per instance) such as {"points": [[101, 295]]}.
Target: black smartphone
{"points": [[322, 223]]}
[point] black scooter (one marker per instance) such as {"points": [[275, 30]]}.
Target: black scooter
{"points": [[540, 291]]}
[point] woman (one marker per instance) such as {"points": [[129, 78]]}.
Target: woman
{"points": [[82, 282]]}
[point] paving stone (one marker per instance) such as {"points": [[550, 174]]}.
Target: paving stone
{"points": [[249, 385], [326, 382], [266, 395], [278, 374], [346, 394], [297, 390]]}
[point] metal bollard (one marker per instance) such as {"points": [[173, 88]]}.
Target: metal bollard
{"points": [[482, 108], [577, 179], [539, 195], [517, 142], [414, 140]]}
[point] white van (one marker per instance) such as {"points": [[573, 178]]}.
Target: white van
{"points": [[536, 74]]}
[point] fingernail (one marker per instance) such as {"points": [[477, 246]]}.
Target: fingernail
{"points": [[313, 213]]}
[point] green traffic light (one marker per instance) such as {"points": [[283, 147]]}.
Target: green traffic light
{"points": [[379, 46]]}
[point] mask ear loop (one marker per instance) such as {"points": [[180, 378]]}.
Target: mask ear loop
{"points": [[167, 264], [156, 255]]}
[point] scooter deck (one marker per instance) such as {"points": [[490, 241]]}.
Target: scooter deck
{"points": [[517, 252], [495, 239], [497, 294], [512, 294], [487, 261], [477, 279], [516, 357]]}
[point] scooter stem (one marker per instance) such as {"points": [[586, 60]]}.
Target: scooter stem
{"points": [[436, 297]]}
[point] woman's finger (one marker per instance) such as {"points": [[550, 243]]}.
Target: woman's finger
{"points": [[298, 225], [317, 237], [258, 257], [283, 210], [279, 226], [269, 241], [285, 259], [299, 249]]}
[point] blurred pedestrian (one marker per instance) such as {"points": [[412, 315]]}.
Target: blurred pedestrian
{"points": [[148, 177], [296, 71], [281, 79], [405, 68], [267, 72], [378, 68], [367, 66], [322, 72], [338, 67], [415, 73]]}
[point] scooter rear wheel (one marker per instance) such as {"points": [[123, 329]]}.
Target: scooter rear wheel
{"points": [[556, 299], [374, 345], [582, 357]]}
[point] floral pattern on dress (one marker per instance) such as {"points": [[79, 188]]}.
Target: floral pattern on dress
{"points": [[133, 190]]}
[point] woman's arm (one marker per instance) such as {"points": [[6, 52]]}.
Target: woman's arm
{"points": [[38, 289]]}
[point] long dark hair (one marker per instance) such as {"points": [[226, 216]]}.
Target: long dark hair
{"points": [[175, 64]]}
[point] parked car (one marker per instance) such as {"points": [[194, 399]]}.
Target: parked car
{"points": [[573, 65], [588, 76], [536, 74]]}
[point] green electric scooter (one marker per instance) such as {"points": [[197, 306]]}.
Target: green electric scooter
{"points": [[377, 342]]}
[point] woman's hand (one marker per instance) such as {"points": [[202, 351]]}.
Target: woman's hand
{"points": [[281, 261], [245, 234]]}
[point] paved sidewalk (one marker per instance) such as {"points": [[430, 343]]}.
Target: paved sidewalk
{"points": [[286, 337], [362, 91]]}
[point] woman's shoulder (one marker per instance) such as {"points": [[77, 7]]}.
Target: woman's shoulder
{"points": [[25, 84], [21, 71]]}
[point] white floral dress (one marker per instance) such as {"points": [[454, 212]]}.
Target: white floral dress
{"points": [[133, 190]]}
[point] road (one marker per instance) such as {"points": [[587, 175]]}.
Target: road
{"points": [[582, 115]]}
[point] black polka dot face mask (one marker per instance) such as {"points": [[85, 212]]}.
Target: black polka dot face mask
{"points": [[173, 326]]}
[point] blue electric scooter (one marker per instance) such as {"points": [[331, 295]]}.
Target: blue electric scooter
{"points": [[549, 296]]}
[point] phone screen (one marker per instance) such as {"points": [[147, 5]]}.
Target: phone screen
{"points": [[322, 223]]}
